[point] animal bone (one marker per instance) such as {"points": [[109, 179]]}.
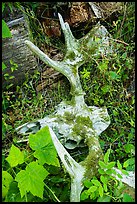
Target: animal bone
{"points": [[74, 121]]}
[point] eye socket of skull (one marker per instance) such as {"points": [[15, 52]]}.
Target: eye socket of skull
{"points": [[71, 144]]}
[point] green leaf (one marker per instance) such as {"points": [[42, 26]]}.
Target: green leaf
{"points": [[127, 198], [3, 66], [120, 176], [101, 171], [110, 165], [84, 195], [3, 6], [129, 148], [15, 156], [126, 164], [110, 171], [103, 65], [6, 180], [113, 75], [105, 187], [92, 189], [129, 162], [106, 89], [5, 30], [124, 172], [124, 56], [87, 183], [101, 191], [44, 148], [102, 164], [119, 165], [103, 179], [95, 182], [31, 179], [14, 193], [106, 156], [104, 199]]}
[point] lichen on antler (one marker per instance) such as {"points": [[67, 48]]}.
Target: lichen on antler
{"points": [[77, 53]]}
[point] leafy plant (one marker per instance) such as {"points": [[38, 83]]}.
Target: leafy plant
{"points": [[106, 83], [31, 179], [103, 188]]}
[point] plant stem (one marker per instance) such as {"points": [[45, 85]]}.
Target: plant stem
{"points": [[52, 192]]}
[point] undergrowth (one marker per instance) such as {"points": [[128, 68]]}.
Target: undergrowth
{"points": [[106, 81]]}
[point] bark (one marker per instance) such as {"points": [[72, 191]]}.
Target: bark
{"points": [[16, 50]]}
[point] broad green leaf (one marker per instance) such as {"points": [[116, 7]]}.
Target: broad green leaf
{"points": [[40, 139], [5, 30], [106, 156], [102, 164], [6, 180], [95, 182], [119, 165], [127, 198], [104, 199], [87, 183], [3, 66], [47, 155], [84, 195], [110, 165], [15, 156], [92, 189], [31, 179], [14, 193], [101, 191], [44, 148]]}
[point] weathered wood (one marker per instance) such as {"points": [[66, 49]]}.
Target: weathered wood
{"points": [[15, 49]]}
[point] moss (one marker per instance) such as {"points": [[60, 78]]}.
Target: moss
{"points": [[92, 141], [71, 55], [78, 129], [84, 121], [69, 117], [91, 163], [74, 70], [81, 125]]}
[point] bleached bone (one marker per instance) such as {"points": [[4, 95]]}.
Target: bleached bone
{"points": [[74, 121], [77, 171]]}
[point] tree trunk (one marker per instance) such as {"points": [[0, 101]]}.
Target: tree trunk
{"points": [[16, 50]]}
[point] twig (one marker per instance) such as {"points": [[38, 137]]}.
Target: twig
{"points": [[119, 41]]}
